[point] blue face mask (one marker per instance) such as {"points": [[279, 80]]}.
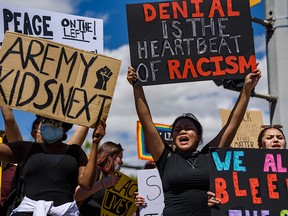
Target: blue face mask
{"points": [[51, 133]]}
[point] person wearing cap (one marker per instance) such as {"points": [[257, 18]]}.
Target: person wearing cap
{"points": [[185, 171], [13, 188], [53, 169], [13, 132]]}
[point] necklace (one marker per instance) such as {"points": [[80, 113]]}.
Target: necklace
{"points": [[192, 164]]}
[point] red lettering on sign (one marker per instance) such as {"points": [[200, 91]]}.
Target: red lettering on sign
{"points": [[254, 185], [180, 10], [238, 192], [220, 190], [271, 178]]}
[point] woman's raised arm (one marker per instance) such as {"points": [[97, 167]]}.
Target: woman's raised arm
{"points": [[153, 140]]}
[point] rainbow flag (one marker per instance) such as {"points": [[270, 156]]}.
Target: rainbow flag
{"points": [[165, 133]]}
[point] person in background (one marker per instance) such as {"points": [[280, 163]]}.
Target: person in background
{"points": [[185, 171], [16, 193], [8, 171], [11, 134], [52, 169], [150, 165], [270, 137], [109, 158]]}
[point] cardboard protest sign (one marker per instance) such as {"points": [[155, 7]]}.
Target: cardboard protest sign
{"points": [[55, 80], [184, 41], [249, 181], [77, 31], [164, 132], [249, 129], [119, 200], [1, 170], [150, 187]]}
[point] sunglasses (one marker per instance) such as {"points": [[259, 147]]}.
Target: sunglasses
{"points": [[277, 126], [51, 121]]}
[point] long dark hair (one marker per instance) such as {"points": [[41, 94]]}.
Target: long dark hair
{"points": [[195, 121]]}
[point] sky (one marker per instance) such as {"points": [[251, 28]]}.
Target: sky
{"points": [[204, 99]]}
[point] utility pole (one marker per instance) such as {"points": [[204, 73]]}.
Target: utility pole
{"points": [[276, 12]]}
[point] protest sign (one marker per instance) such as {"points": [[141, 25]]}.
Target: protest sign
{"points": [[164, 132], [184, 41], [119, 200], [77, 31], [55, 80], [249, 129], [150, 187], [1, 170], [254, 2], [249, 181]]}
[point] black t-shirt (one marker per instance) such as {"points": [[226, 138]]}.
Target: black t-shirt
{"points": [[185, 181], [92, 205], [52, 177]]}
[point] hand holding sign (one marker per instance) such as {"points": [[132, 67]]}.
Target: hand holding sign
{"points": [[99, 132], [119, 199], [184, 41], [37, 77]]}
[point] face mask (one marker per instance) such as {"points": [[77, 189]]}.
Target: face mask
{"points": [[51, 133]]}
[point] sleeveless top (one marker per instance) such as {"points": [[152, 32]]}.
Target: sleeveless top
{"points": [[51, 177]]}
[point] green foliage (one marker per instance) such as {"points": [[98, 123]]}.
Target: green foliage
{"points": [[87, 147]]}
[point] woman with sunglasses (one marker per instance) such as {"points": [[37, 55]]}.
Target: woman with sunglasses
{"points": [[109, 158], [185, 171], [52, 169]]}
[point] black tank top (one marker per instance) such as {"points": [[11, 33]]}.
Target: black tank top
{"points": [[51, 177]]}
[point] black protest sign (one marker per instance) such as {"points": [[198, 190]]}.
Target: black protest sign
{"points": [[249, 181], [55, 80], [184, 41]]}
